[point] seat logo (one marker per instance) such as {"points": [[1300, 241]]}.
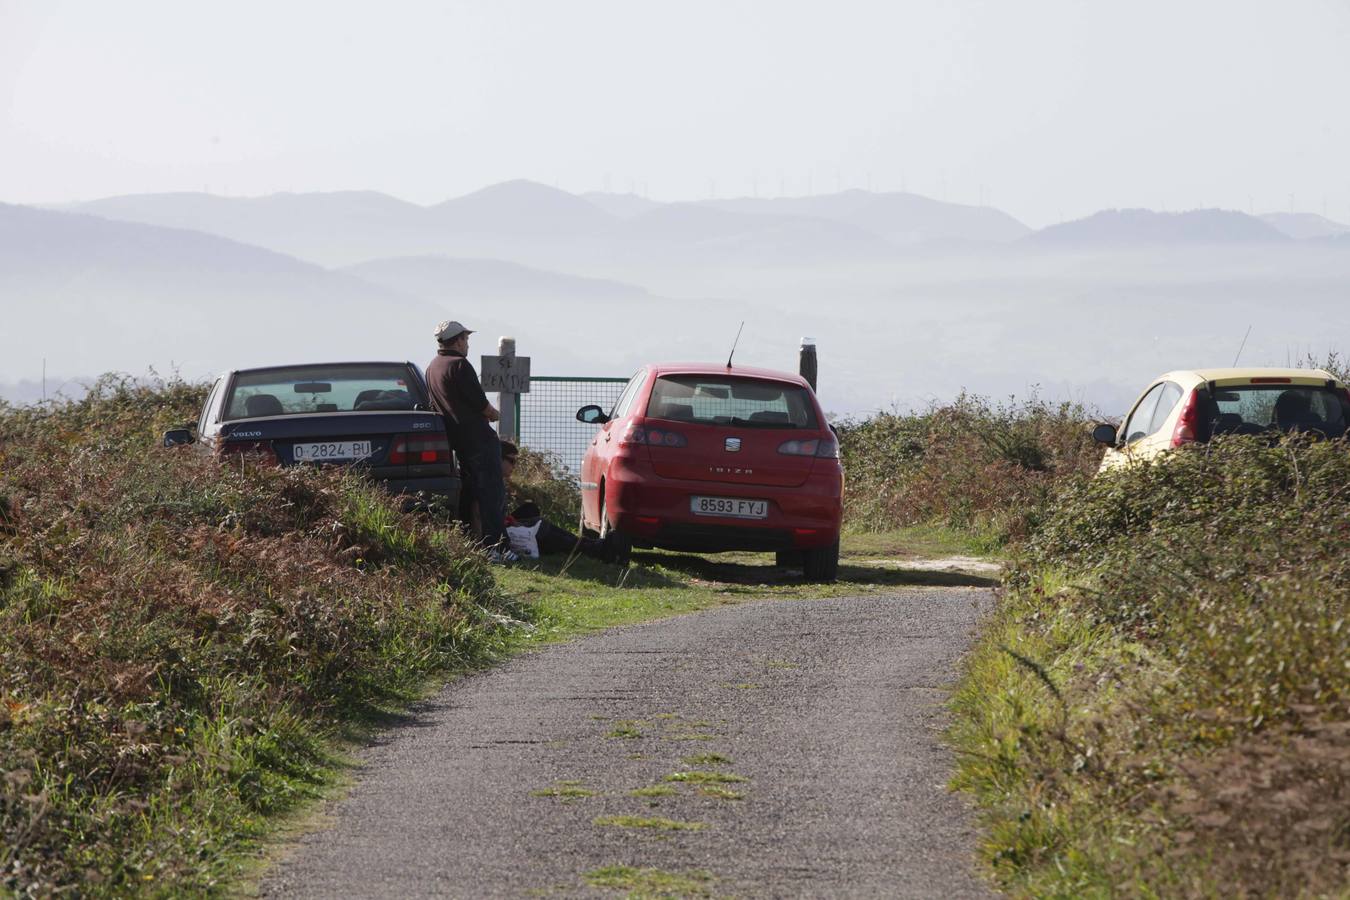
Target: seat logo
{"points": [[733, 445]]}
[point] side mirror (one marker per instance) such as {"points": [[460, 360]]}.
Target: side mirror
{"points": [[1105, 434], [177, 437], [592, 415]]}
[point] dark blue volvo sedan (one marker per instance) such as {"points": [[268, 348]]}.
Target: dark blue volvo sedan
{"points": [[375, 415]]}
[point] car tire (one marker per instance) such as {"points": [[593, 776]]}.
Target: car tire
{"points": [[618, 546], [822, 563], [789, 559]]}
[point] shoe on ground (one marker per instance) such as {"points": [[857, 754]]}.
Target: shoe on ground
{"points": [[502, 557]]}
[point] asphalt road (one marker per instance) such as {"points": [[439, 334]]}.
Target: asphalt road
{"points": [[830, 709]]}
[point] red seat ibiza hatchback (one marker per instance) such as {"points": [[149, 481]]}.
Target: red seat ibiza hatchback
{"points": [[709, 458]]}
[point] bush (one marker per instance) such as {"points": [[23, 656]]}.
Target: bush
{"points": [[179, 637], [1162, 703], [971, 465], [542, 479]]}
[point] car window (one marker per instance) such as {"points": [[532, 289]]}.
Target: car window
{"points": [[1137, 425], [743, 402], [1167, 401], [1258, 408], [630, 392], [208, 405], [299, 390]]}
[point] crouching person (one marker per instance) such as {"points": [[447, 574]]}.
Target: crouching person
{"points": [[549, 537]]}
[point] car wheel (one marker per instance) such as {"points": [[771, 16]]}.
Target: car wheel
{"points": [[789, 559], [822, 563], [618, 546]]}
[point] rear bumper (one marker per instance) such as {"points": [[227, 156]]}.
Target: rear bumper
{"points": [[655, 511]]}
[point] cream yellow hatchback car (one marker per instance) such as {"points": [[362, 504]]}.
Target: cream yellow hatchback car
{"points": [[1193, 406]]}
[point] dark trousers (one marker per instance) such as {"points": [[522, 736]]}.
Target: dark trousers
{"points": [[481, 467], [555, 539]]}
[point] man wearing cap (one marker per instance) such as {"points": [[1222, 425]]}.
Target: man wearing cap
{"points": [[458, 396]]}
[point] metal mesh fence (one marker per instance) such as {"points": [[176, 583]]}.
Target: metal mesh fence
{"points": [[547, 414]]}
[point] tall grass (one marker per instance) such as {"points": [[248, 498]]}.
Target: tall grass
{"points": [[1161, 705], [179, 638], [982, 467]]}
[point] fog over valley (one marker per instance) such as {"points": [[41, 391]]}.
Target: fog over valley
{"points": [[909, 298]]}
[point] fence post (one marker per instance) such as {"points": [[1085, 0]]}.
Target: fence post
{"points": [[508, 429], [806, 361]]}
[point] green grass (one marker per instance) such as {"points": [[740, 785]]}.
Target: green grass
{"points": [[580, 596], [924, 541], [707, 759], [565, 791], [705, 777], [651, 884], [658, 823]]}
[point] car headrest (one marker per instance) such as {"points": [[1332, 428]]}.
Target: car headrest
{"points": [[263, 405]]}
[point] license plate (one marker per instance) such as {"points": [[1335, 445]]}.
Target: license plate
{"points": [[332, 450], [729, 506]]}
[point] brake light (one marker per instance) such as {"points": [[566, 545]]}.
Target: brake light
{"points": [[1188, 423], [1272, 380], [821, 448], [652, 437], [419, 450], [259, 452]]}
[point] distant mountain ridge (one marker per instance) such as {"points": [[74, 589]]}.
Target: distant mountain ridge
{"points": [[535, 224], [1305, 226], [1123, 227], [94, 294], [902, 217]]}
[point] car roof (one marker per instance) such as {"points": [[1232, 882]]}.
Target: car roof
{"points": [[697, 368], [334, 362], [1238, 374]]}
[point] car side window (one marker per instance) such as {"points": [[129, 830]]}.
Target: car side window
{"points": [[208, 405], [1137, 425], [629, 393], [1167, 401]]}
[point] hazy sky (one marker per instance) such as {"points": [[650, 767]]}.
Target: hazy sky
{"points": [[1049, 108]]}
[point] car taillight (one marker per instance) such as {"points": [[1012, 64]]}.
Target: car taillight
{"points": [[259, 452], [652, 437], [823, 448], [419, 450], [1188, 423]]}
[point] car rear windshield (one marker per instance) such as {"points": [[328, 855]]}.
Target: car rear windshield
{"points": [[1263, 408], [320, 389], [743, 402]]}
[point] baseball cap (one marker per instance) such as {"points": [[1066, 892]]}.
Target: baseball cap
{"points": [[449, 330]]}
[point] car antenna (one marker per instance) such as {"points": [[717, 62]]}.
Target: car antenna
{"points": [[734, 343], [1242, 345]]}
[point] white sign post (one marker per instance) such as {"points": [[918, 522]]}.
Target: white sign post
{"points": [[509, 376]]}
